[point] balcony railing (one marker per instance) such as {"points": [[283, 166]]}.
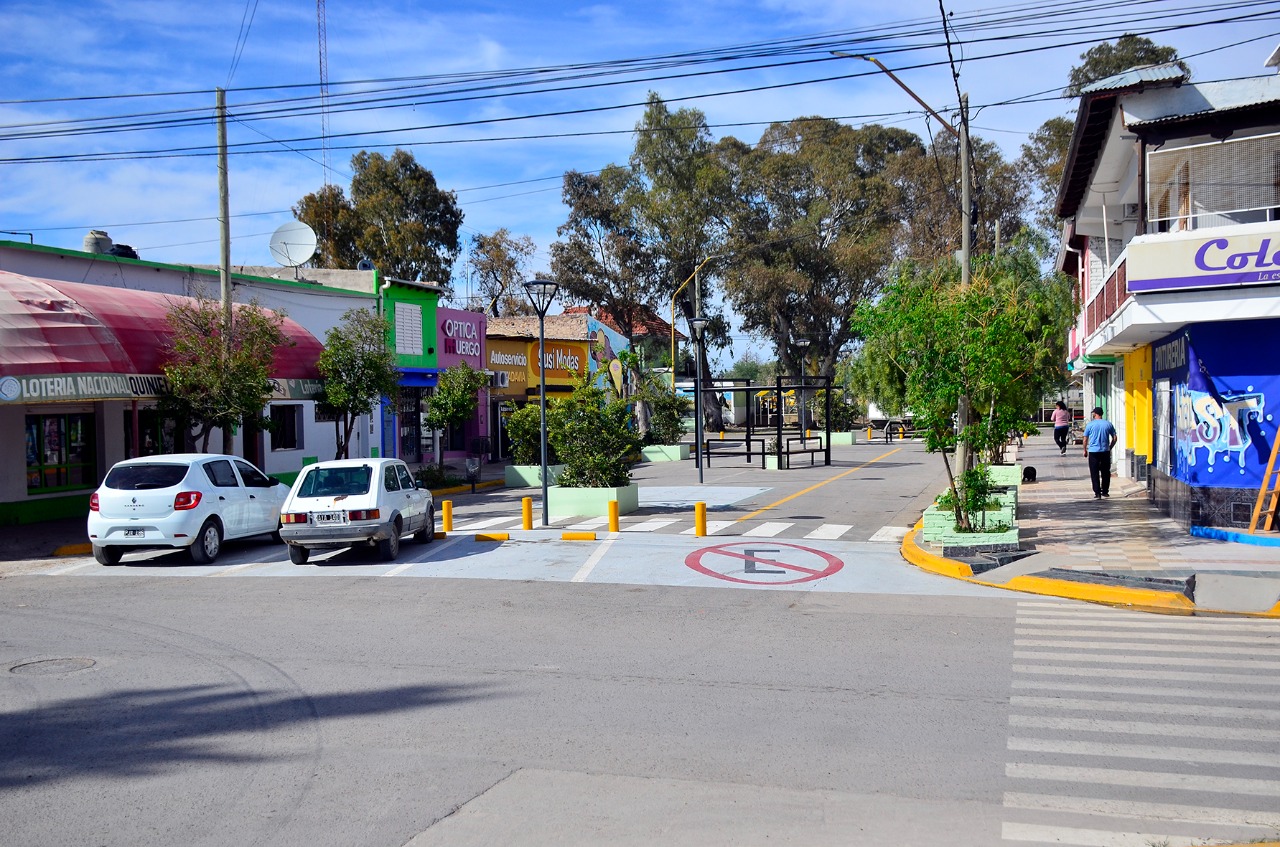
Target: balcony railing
{"points": [[1107, 301]]}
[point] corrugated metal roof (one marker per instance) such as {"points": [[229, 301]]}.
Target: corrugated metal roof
{"points": [[1168, 72]]}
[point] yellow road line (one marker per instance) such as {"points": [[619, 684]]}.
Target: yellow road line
{"points": [[819, 485]]}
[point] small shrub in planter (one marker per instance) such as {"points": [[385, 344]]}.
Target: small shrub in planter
{"points": [[436, 476], [593, 437], [666, 416], [524, 428]]}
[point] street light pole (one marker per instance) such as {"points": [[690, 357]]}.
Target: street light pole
{"points": [[541, 293], [803, 344], [966, 211], [698, 326]]}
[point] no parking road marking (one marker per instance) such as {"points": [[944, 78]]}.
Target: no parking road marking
{"points": [[763, 562]]}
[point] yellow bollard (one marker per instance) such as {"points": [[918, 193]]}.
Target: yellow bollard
{"points": [[613, 515], [722, 435], [699, 519], [526, 513], [868, 433], [447, 516]]}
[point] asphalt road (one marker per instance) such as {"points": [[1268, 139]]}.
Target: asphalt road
{"points": [[542, 692]]}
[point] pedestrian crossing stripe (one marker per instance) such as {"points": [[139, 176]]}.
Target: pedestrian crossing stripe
{"points": [[1135, 730], [767, 529]]}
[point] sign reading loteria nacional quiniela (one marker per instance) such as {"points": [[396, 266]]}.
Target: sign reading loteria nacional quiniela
{"points": [[1243, 255], [63, 388]]}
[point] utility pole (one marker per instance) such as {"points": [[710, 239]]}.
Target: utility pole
{"points": [[224, 236], [966, 248], [966, 212]]}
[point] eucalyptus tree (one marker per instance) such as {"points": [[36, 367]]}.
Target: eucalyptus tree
{"points": [[500, 262], [396, 217], [811, 235]]}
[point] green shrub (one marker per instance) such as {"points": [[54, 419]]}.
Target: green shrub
{"points": [[593, 437], [436, 476], [666, 415], [524, 428]]}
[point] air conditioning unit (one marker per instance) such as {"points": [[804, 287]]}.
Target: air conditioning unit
{"points": [[1130, 211], [500, 379]]}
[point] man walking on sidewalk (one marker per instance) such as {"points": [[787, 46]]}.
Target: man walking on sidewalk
{"points": [[1099, 438]]}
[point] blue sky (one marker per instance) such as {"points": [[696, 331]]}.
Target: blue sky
{"points": [[146, 71]]}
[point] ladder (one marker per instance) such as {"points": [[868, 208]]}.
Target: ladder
{"points": [[1271, 487]]}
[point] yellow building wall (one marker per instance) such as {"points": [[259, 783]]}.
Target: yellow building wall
{"points": [[1138, 402]]}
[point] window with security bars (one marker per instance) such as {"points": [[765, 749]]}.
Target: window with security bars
{"points": [[1215, 184]]}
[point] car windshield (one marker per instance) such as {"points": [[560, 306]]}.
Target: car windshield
{"points": [[334, 482], [140, 477]]}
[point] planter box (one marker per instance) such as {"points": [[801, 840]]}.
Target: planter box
{"points": [[940, 528], [1009, 476], [664, 452], [591, 502], [843, 438], [530, 476], [774, 462]]}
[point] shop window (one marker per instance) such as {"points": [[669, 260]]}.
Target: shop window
{"points": [[60, 452], [156, 434], [286, 426]]}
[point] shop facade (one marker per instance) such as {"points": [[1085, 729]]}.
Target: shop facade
{"points": [[1171, 203]]}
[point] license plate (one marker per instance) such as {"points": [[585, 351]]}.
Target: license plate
{"points": [[135, 533], [330, 517]]}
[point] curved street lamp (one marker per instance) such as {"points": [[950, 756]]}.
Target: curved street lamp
{"points": [[541, 293], [698, 326]]}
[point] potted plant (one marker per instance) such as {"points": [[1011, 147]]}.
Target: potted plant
{"points": [[524, 427], [592, 434], [773, 460]]}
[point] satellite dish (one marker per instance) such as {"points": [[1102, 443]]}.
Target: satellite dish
{"points": [[293, 244], [364, 265]]}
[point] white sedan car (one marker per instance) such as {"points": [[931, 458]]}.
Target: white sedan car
{"points": [[191, 500], [352, 502]]}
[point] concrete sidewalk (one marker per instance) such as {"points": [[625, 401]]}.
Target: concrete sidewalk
{"points": [[1120, 550]]}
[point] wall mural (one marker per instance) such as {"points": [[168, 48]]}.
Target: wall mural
{"points": [[1222, 376]]}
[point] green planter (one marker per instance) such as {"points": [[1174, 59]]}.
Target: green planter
{"points": [[530, 476], [843, 439], [664, 452], [591, 502]]}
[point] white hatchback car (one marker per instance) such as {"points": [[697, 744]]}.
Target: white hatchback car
{"points": [[192, 500], [350, 502]]}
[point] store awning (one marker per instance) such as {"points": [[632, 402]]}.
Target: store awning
{"points": [[73, 341]]}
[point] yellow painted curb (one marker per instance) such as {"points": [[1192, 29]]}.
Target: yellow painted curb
{"points": [[74, 550], [1145, 599], [577, 536], [466, 489], [493, 536]]}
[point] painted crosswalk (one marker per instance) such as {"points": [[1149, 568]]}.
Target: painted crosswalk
{"points": [[1130, 729], [686, 526]]}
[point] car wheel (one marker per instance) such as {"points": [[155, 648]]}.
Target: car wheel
{"points": [[208, 543], [428, 533], [389, 547], [299, 555], [276, 537], [107, 555]]}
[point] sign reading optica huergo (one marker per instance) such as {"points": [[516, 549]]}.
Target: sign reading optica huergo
{"points": [[1232, 256]]}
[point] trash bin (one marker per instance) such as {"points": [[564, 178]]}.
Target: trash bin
{"points": [[473, 469]]}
